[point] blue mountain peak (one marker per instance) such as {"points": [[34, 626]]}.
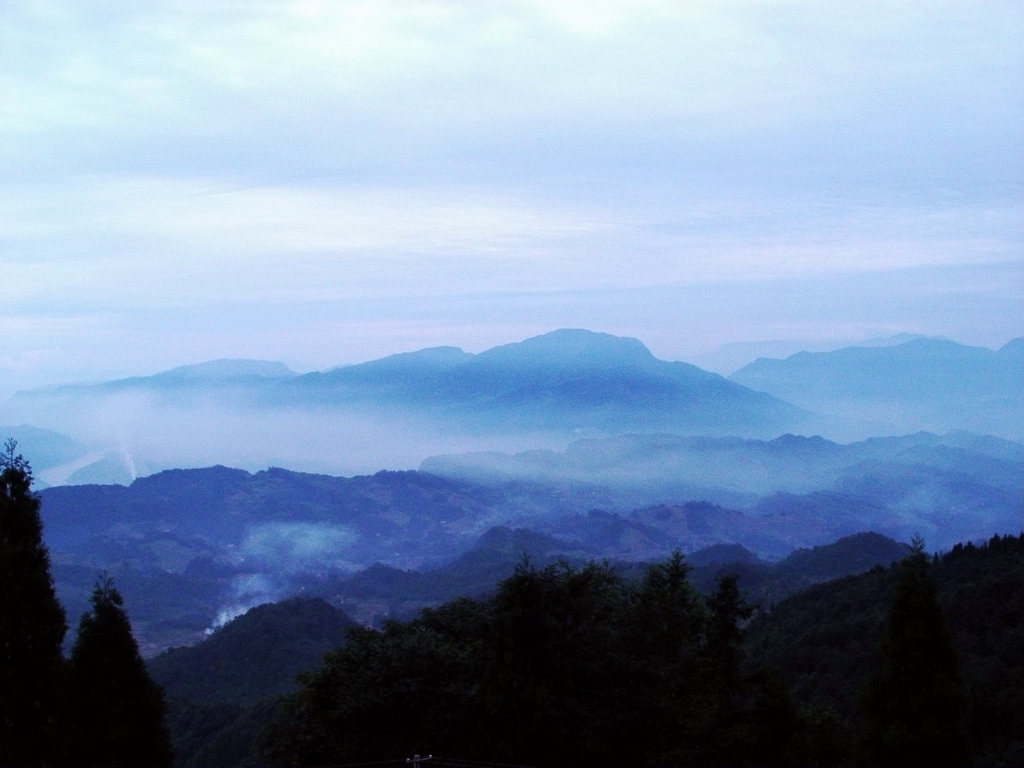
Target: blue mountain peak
{"points": [[572, 347]]}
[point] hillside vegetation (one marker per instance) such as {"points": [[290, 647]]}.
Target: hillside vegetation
{"points": [[623, 666], [824, 640]]}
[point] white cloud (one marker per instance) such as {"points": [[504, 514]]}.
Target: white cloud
{"points": [[189, 240], [368, 80], [294, 546], [167, 162]]}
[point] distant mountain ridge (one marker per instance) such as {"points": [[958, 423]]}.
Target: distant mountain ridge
{"points": [[695, 465], [947, 488], [229, 368], [933, 384], [562, 381], [544, 391], [217, 373], [732, 356], [556, 386]]}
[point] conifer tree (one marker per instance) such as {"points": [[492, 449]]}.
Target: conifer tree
{"points": [[115, 713], [914, 702], [32, 622]]}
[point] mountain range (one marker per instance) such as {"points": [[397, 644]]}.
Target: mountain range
{"points": [[543, 392], [943, 487], [932, 384], [569, 447], [564, 381], [192, 548]]}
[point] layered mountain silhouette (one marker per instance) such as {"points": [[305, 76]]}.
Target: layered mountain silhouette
{"points": [[933, 384], [212, 374], [735, 470], [562, 382], [188, 545], [568, 380], [544, 391], [392, 412]]}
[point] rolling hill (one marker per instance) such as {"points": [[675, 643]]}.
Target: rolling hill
{"points": [[189, 546], [256, 655]]}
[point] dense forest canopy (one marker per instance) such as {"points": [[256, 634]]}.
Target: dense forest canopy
{"points": [[567, 666], [824, 641], [555, 669]]}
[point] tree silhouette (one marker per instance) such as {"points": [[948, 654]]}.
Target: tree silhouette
{"points": [[32, 622], [115, 712], [562, 666], [914, 702]]}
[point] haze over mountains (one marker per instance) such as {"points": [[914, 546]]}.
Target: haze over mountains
{"points": [[540, 393], [193, 547], [582, 440], [932, 384]]}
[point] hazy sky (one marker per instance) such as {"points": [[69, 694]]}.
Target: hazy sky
{"points": [[328, 182]]}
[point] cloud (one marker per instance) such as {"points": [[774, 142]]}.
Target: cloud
{"points": [[167, 241], [330, 181], [314, 87], [290, 547]]}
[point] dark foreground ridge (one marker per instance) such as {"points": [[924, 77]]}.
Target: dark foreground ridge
{"points": [[583, 665]]}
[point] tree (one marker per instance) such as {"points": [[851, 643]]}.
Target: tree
{"points": [[554, 666], [664, 632], [114, 714], [32, 622], [913, 702], [562, 666]]}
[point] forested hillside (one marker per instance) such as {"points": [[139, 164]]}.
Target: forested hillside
{"points": [[824, 641], [224, 691], [562, 667], [255, 656], [382, 592], [597, 665]]}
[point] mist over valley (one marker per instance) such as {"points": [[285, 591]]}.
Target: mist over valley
{"points": [[545, 392], [211, 488], [545, 384]]}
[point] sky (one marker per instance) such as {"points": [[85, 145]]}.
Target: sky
{"points": [[329, 182]]}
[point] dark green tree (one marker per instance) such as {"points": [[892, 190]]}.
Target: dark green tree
{"points": [[554, 665], [563, 666], [734, 717], [914, 702], [664, 629], [114, 714], [409, 688], [32, 622]]}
